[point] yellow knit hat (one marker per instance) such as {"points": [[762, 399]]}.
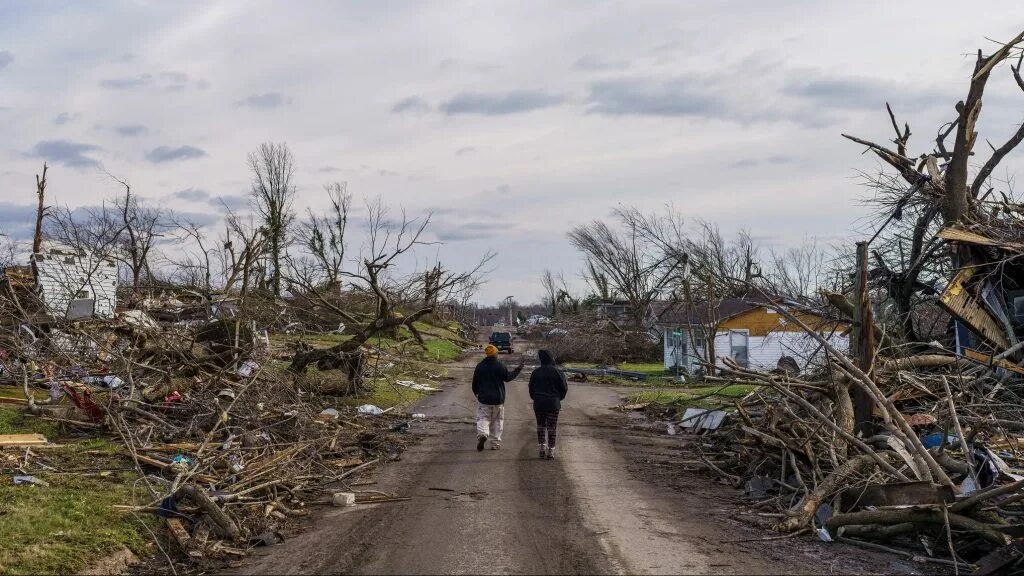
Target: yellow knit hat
{"points": [[491, 350]]}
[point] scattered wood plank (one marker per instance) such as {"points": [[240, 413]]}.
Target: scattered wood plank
{"points": [[7, 440]]}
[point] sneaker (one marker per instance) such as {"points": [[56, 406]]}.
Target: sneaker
{"points": [[543, 451], [495, 446], [480, 443], [551, 453]]}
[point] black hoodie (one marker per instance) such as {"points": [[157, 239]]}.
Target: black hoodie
{"points": [[547, 385]]}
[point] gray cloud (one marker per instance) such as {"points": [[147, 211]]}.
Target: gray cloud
{"points": [[232, 201], [174, 77], [5, 59], [199, 218], [17, 220], [191, 194], [65, 117], [173, 81], [411, 104], [131, 130], [167, 81], [462, 230], [71, 154], [644, 97], [264, 101], [592, 63], [774, 160], [127, 82], [168, 154], [853, 93], [498, 104]]}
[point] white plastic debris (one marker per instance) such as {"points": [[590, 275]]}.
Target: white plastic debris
{"points": [[702, 419], [247, 368], [417, 386], [112, 382], [370, 409], [21, 480], [330, 413], [823, 535], [419, 416], [968, 486], [671, 429], [343, 499]]}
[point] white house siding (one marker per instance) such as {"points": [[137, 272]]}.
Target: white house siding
{"points": [[65, 275], [763, 352]]}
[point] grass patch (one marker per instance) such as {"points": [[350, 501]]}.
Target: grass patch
{"points": [[652, 368], [61, 528], [442, 350], [702, 397], [15, 421], [385, 394]]}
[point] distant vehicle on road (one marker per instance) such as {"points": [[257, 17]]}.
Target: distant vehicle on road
{"points": [[502, 341]]}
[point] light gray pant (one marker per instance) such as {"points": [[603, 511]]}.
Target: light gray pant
{"points": [[490, 420]]}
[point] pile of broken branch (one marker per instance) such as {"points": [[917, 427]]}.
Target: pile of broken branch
{"points": [[229, 445], [942, 470]]}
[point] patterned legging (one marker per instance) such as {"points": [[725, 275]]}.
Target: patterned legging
{"points": [[546, 422]]}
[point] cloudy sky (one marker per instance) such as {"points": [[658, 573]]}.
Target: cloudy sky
{"points": [[510, 120]]}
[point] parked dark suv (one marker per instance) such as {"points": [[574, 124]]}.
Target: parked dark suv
{"points": [[502, 341]]}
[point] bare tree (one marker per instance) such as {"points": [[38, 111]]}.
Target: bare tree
{"points": [[272, 166], [799, 272], [550, 287], [639, 269], [379, 293], [8, 251], [323, 237], [142, 227], [909, 258]]}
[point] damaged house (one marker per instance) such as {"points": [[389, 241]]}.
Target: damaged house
{"points": [[753, 334], [73, 283]]}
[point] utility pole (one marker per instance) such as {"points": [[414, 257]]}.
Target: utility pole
{"points": [[508, 300], [864, 343]]}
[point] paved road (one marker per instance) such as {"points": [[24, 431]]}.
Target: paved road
{"points": [[508, 512]]}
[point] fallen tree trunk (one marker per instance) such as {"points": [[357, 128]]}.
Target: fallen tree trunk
{"points": [[222, 524], [918, 516], [802, 513]]}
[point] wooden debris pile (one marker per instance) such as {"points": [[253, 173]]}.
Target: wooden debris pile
{"points": [[229, 445], [935, 470]]}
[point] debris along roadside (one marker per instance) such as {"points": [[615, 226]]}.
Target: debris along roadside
{"points": [[227, 387], [914, 442], [223, 459]]}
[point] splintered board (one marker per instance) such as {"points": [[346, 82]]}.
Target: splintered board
{"points": [[22, 439], [968, 237], [959, 302], [989, 359]]}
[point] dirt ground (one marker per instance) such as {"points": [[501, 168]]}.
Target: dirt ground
{"points": [[612, 503]]}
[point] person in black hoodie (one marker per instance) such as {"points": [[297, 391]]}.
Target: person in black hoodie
{"points": [[547, 390], [489, 388]]}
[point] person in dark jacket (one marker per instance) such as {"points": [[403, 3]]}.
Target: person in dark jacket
{"points": [[547, 390], [489, 388]]}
